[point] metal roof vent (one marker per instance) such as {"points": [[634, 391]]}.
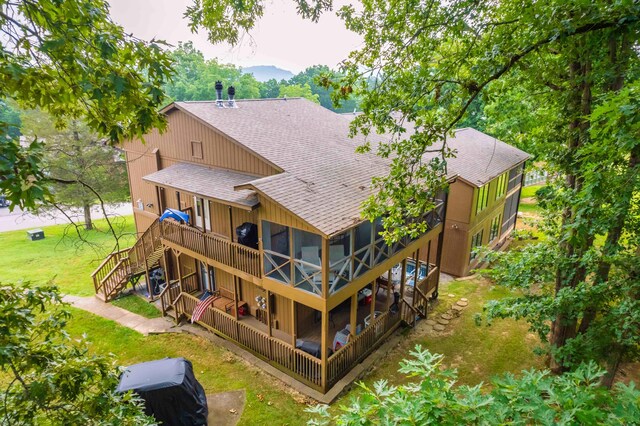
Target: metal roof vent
{"points": [[231, 91], [219, 101]]}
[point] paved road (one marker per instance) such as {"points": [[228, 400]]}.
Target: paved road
{"points": [[12, 221]]}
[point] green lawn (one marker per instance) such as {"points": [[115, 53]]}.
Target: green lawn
{"points": [[267, 402], [137, 305], [61, 256], [530, 191]]}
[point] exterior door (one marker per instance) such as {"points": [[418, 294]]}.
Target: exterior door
{"points": [[207, 278]]}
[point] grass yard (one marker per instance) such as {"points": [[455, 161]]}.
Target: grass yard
{"points": [[137, 305], [61, 256], [267, 402]]}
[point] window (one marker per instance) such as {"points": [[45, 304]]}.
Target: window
{"points": [[277, 253], [501, 185], [482, 199], [202, 214], [476, 241], [196, 149], [495, 228]]}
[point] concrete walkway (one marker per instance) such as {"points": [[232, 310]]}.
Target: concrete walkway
{"points": [[128, 319]]}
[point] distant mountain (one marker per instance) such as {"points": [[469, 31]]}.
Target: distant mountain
{"points": [[264, 73]]}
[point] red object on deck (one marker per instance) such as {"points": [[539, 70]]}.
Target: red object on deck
{"points": [[242, 310], [367, 300]]}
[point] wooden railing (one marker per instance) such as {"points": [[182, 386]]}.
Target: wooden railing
{"points": [[145, 246], [429, 283], [282, 355], [169, 295], [343, 360], [408, 313], [107, 265], [190, 283], [213, 247]]}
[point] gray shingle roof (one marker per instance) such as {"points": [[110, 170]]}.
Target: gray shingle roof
{"points": [[324, 181], [480, 157], [216, 184]]}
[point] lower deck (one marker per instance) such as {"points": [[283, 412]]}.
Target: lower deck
{"points": [[288, 334]]}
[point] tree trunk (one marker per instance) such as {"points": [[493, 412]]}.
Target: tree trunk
{"points": [[88, 225]]}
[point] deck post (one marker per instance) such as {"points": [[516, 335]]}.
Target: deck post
{"points": [[389, 285], [324, 349], [415, 277], [235, 297], [325, 268], [179, 268], [403, 279], [269, 323], [353, 320], [374, 290], [294, 323], [146, 270]]}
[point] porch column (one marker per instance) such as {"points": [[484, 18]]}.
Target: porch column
{"points": [[389, 285], [146, 270], [415, 275], [325, 268], [324, 349], [177, 253], [374, 290], [294, 323], [269, 312], [354, 314], [403, 278], [235, 297]]}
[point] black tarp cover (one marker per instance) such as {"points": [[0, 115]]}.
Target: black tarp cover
{"points": [[169, 389]]}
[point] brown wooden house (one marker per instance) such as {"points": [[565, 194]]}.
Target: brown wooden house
{"points": [[319, 288]]}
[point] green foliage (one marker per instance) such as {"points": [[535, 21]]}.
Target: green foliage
{"points": [[114, 81], [297, 91], [534, 398], [195, 77], [52, 378]]}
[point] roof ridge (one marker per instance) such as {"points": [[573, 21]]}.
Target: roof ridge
{"points": [[240, 100]]}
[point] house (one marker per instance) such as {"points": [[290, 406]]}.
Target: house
{"points": [[275, 256]]}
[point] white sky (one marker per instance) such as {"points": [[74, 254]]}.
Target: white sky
{"points": [[281, 37]]}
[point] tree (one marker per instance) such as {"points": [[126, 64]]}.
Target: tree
{"points": [[114, 82], [83, 170], [314, 76], [297, 91], [534, 398], [52, 379], [196, 77], [429, 62]]}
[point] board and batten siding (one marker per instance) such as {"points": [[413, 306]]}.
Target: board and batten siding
{"points": [[281, 309], [217, 150]]}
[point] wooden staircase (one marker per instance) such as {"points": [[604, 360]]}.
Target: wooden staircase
{"points": [[119, 268]]}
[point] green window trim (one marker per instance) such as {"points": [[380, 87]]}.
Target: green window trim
{"points": [[482, 199], [495, 228]]}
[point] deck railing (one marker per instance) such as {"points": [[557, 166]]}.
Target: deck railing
{"points": [[145, 246], [343, 360], [169, 295], [429, 283], [213, 247], [272, 350], [105, 268]]}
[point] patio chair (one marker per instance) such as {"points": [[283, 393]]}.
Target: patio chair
{"points": [[310, 254]]}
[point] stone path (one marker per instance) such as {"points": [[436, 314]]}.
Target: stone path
{"points": [[443, 321], [225, 408], [123, 317]]}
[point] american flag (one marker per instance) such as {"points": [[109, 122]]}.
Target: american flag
{"points": [[201, 307]]}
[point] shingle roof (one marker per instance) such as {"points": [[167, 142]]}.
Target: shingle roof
{"points": [[480, 157], [324, 181], [216, 184]]}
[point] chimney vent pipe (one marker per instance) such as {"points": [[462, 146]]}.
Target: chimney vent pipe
{"points": [[219, 88], [231, 91]]}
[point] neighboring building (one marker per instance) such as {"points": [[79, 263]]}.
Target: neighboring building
{"points": [[273, 189]]}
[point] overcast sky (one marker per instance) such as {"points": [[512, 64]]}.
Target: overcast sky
{"points": [[281, 38]]}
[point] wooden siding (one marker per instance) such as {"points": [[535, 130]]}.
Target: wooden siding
{"points": [[280, 309], [217, 149], [460, 202], [273, 213]]}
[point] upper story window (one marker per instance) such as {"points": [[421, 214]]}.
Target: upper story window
{"points": [[476, 241], [482, 198], [501, 185], [196, 150]]}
